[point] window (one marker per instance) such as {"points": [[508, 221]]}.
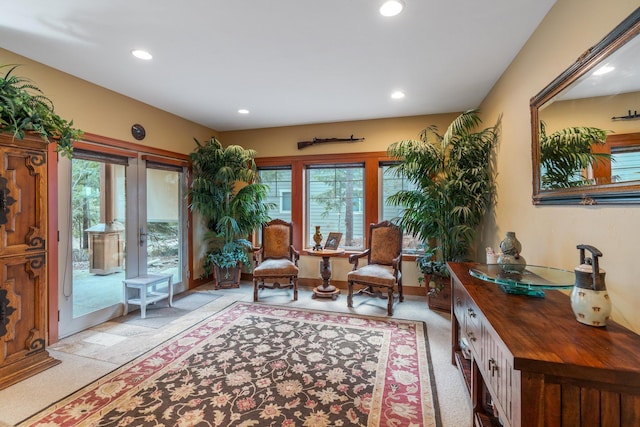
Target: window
{"points": [[391, 184], [322, 186], [625, 163], [334, 202], [279, 193], [285, 202]]}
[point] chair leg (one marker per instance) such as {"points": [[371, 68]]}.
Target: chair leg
{"points": [[350, 294], [255, 290], [401, 298], [390, 303], [295, 288]]}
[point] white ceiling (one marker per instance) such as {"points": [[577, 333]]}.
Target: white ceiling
{"points": [[287, 61]]}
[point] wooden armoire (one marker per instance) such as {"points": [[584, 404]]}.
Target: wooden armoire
{"points": [[23, 258]]}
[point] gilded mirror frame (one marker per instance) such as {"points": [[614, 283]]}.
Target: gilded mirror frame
{"points": [[613, 193]]}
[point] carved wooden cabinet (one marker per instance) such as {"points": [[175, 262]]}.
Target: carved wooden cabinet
{"points": [[23, 256], [527, 361]]}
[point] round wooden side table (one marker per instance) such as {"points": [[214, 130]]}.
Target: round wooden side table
{"points": [[326, 290]]}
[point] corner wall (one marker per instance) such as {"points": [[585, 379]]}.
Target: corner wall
{"points": [[549, 234]]}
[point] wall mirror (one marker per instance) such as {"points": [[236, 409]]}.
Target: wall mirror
{"points": [[601, 90]]}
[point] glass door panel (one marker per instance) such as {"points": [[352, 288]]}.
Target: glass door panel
{"points": [[125, 219], [164, 231], [98, 205]]}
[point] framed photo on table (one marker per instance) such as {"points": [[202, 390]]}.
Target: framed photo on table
{"points": [[333, 240]]}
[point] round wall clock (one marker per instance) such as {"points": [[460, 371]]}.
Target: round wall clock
{"points": [[138, 132]]}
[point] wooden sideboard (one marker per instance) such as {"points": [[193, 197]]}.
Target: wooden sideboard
{"points": [[530, 363]]}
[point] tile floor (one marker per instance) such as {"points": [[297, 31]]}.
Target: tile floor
{"points": [[90, 354]]}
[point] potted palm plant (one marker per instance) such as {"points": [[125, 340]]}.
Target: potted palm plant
{"points": [[227, 192], [565, 153], [25, 110], [453, 187]]}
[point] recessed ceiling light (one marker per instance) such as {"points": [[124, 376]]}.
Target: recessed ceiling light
{"points": [[391, 7], [141, 54], [243, 111], [606, 68], [397, 94]]}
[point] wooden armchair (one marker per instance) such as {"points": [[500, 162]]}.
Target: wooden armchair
{"points": [[276, 259], [384, 266]]}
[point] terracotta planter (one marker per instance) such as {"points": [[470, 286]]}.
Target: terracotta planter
{"points": [[438, 292]]}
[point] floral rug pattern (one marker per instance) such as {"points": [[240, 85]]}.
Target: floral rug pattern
{"points": [[257, 365]]}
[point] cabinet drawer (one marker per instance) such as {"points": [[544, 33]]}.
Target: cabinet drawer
{"points": [[474, 327], [498, 373], [459, 302]]}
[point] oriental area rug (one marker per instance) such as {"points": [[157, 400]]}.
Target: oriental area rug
{"points": [[258, 365]]}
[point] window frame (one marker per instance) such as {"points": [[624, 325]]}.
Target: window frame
{"points": [[359, 166], [298, 165]]}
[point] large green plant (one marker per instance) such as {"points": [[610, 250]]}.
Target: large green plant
{"points": [[24, 109], [454, 185], [565, 153], [227, 192]]}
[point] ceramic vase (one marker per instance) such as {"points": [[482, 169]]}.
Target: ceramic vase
{"points": [[591, 307], [589, 298], [510, 260], [317, 238]]}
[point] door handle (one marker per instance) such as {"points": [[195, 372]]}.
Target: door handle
{"points": [[142, 236]]}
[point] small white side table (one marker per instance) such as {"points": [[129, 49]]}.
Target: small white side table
{"points": [[147, 293]]}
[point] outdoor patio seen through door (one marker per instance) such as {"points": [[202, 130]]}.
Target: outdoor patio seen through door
{"points": [[124, 219]]}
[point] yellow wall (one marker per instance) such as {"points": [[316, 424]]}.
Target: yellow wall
{"points": [[378, 135], [596, 112], [549, 234], [106, 113]]}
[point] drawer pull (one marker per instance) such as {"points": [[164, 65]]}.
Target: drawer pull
{"points": [[471, 336], [471, 312], [458, 301], [493, 367]]}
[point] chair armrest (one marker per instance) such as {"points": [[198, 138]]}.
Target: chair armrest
{"points": [[257, 254], [295, 255], [354, 258], [396, 263]]}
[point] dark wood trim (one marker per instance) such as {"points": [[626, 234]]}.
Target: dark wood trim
{"points": [[297, 197], [105, 140], [105, 149], [165, 160], [52, 246]]}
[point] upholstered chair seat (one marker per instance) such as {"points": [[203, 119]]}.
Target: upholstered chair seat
{"points": [[276, 261], [383, 271], [276, 268]]}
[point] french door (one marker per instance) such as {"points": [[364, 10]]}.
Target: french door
{"points": [[120, 216]]}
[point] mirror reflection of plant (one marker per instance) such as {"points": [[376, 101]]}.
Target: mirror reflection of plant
{"points": [[25, 109], [227, 192], [454, 187], [565, 153]]}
